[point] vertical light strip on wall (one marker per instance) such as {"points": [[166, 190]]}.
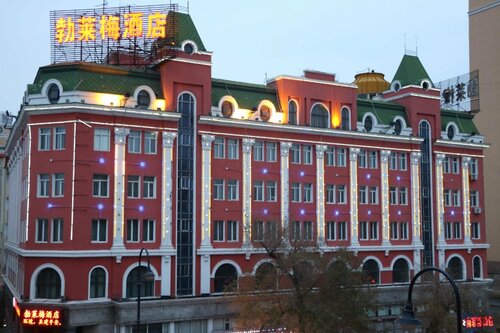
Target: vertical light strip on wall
{"points": [[466, 197], [166, 199], [119, 190], [73, 175], [247, 190], [384, 184], [284, 153], [320, 196], [206, 180], [353, 173], [440, 197], [415, 196], [28, 181]]}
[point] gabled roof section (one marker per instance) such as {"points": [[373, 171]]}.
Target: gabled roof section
{"points": [[84, 76], [186, 30], [411, 71], [384, 111], [247, 95], [462, 119]]}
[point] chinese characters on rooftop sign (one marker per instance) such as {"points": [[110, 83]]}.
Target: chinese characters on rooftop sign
{"points": [[42, 317], [460, 93]]}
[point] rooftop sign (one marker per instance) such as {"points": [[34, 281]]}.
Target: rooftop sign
{"points": [[460, 93]]}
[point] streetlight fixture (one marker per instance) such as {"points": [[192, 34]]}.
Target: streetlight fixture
{"points": [[147, 276], [407, 318]]}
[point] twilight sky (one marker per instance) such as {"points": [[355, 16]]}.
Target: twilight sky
{"points": [[254, 39]]}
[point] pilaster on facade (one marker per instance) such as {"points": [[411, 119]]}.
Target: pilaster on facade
{"points": [[168, 139], [247, 192], [119, 186], [353, 175], [384, 194], [285, 180], [320, 195], [206, 186], [440, 199], [466, 198], [415, 197]]}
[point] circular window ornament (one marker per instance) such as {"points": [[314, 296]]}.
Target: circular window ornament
{"points": [[398, 126], [143, 99], [189, 48], [368, 124], [396, 86], [53, 93], [227, 109], [451, 132], [265, 113], [425, 84]]}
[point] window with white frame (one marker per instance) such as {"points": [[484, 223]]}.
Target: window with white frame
{"points": [[342, 230], [447, 197], [42, 230], [330, 193], [133, 187], [457, 230], [232, 149], [134, 142], [474, 198], [149, 189], [341, 194], [475, 230], [101, 139], [393, 161], [307, 149], [363, 194], [271, 191], [296, 192], [295, 154], [99, 230], [404, 230], [394, 230], [447, 230], [331, 230], [271, 151], [373, 230], [363, 230], [219, 147], [57, 230], [330, 156], [232, 231], [403, 162], [59, 138], [258, 190], [132, 230], [44, 138], [308, 230], [455, 165], [308, 193], [362, 159], [455, 195], [446, 165], [218, 191], [100, 185], [473, 169], [58, 184], [258, 231], [341, 158], [393, 196], [232, 189], [218, 232], [148, 230], [150, 142], [373, 159], [43, 185], [296, 231], [258, 151], [373, 195], [403, 196]]}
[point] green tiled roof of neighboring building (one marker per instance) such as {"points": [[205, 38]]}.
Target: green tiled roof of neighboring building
{"points": [[462, 119], [97, 78], [411, 71], [383, 111], [186, 30], [247, 95]]}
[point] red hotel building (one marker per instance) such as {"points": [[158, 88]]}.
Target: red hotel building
{"points": [[105, 160]]}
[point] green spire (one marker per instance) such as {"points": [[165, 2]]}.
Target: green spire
{"points": [[411, 71], [186, 30]]}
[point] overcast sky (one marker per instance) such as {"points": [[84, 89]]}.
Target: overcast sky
{"points": [[252, 40]]}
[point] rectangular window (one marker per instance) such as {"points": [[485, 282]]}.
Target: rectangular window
{"points": [[307, 154], [456, 198], [373, 160], [148, 230], [44, 139], [232, 189], [232, 149], [393, 161], [271, 150], [447, 230], [132, 230], [330, 156], [149, 187], [341, 195], [404, 230], [446, 165], [373, 230], [373, 195], [342, 231], [99, 230], [185, 183], [58, 184], [363, 230], [258, 231], [272, 230], [258, 190], [474, 173], [455, 165], [457, 230], [271, 191], [393, 196], [341, 159], [57, 230], [474, 198], [232, 231], [447, 197], [402, 161], [330, 194], [43, 185], [308, 193], [100, 185], [475, 231], [296, 230], [101, 139], [403, 196], [394, 230], [258, 151], [330, 230], [218, 231], [295, 192], [134, 142], [218, 192], [363, 195], [362, 159], [59, 138], [42, 230], [308, 230], [295, 154], [133, 185], [150, 142], [219, 147]]}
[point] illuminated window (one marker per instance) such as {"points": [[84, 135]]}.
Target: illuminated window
{"points": [[99, 230], [218, 189], [143, 99], [98, 283], [232, 149], [53, 94], [48, 284], [59, 138], [57, 230], [134, 142], [101, 139], [42, 230], [292, 113], [258, 190], [148, 230], [232, 189], [100, 185], [44, 139], [133, 230], [225, 278], [271, 151], [149, 189], [227, 109], [372, 271], [58, 185], [271, 191], [43, 185], [150, 142], [219, 147], [218, 232], [319, 116], [232, 231], [346, 119], [133, 183], [265, 113], [135, 279], [400, 271], [258, 151]]}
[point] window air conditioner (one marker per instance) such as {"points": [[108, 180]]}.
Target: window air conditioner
{"points": [[477, 210]]}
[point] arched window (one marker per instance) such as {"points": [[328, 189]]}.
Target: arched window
{"points": [[143, 99], [400, 271], [450, 132], [135, 280], [476, 262], [48, 284], [346, 119], [98, 283], [368, 124], [455, 268], [371, 269], [227, 109], [225, 278], [266, 276], [398, 126], [292, 113], [53, 93], [319, 116]]}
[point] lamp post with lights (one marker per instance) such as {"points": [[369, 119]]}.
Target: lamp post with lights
{"points": [[147, 276]]}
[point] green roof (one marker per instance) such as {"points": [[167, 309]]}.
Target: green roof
{"points": [[411, 71], [462, 119], [247, 95], [92, 77], [186, 30], [383, 111]]}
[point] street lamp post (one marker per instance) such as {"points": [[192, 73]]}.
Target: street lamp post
{"points": [[408, 316], [148, 275]]}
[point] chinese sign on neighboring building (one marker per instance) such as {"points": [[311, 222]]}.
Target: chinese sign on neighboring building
{"points": [[41, 317], [460, 93], [478, 322]]}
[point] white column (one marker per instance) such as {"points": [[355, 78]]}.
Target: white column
{"points": [[384, 195], [440, 209], [466, 198], [415, 208], [206, 191], [119, 188], [320, 195], [166, 275], [166, 189], [285, 204], [353, 175], [247, 192]]}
